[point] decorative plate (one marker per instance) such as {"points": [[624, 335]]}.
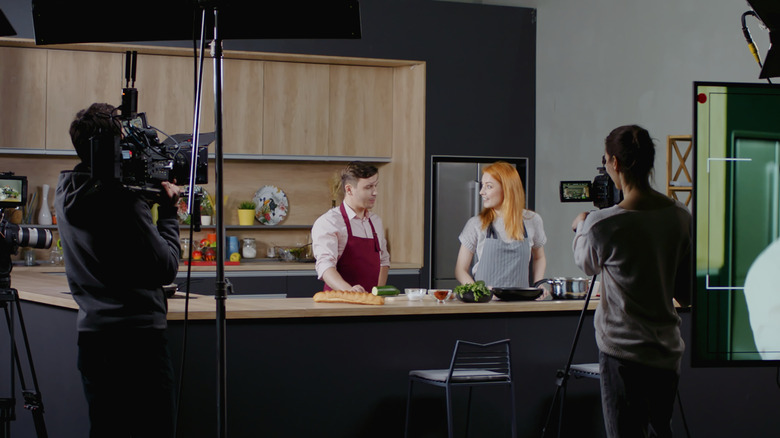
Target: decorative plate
{"points": [[271, 205], [181, 205]]}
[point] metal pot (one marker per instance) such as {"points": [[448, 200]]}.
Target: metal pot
{"points": [[566, 288]]}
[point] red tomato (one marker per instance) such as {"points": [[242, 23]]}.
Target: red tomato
{"points": [[197, 255]]}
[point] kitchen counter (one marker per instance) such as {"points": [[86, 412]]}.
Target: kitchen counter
{"points": [[50, 287]]}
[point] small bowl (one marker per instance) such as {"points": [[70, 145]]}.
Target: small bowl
{"points": [[440, 295], [415, 294]]}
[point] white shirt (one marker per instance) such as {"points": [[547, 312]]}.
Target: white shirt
{"points": [[329, 237], [763, 301]]}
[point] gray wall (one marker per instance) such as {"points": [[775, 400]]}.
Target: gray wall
{"points": [[605, 63]]}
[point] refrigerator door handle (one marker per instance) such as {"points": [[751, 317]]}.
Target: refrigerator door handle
{"points": [[475, 198]]}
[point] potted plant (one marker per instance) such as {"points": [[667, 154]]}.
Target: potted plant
{"points": [[206, 210], [246, 213]]}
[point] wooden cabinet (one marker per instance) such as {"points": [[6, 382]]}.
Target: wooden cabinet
{"points": [[296, 109], [166, 93], [361, 111], [289, 120], [74, 80], [22, 98]]}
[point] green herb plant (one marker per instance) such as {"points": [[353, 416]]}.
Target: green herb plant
{"points": [[246, 205], [478, 289]]}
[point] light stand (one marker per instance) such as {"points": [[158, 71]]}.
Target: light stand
{"points": [[562, 377]]}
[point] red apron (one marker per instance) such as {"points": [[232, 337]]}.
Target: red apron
{"points": [[359, 263]]}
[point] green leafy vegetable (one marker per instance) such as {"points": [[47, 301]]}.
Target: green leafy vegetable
{"points": [[478, 289]]}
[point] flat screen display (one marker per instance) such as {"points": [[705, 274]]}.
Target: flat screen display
{"points": [[736, 209]]}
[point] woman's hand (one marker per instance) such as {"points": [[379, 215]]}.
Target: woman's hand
{"points": [[579, 219], [463, 264]]}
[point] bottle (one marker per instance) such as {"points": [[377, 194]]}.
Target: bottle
{"points": [[185, 248], [44, 215]]}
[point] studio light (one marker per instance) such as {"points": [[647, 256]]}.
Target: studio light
{"points": [[768, 11]]}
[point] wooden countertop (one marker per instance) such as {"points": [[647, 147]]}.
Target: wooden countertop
{"points": [[244, 267], [52, 289]]}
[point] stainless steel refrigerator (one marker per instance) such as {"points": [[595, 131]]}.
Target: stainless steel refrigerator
{"points": [[455, 199]]}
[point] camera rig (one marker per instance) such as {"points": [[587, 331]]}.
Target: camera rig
{"points": [[135, 157], [602, 191]]}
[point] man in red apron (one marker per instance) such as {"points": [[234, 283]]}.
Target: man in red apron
{"points": [[348, 241]]}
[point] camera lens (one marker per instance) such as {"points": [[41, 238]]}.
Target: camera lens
{"points": [[34, 237]]}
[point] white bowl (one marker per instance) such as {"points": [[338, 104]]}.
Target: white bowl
{"points": [[415, 294]]}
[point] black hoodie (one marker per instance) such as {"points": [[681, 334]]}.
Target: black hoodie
{"points": [[116, 259]]}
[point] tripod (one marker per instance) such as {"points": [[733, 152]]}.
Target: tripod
{"points": [[9, 301], [562, 377]]}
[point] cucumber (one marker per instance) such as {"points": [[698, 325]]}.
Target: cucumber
{"points": [[385, 290]]}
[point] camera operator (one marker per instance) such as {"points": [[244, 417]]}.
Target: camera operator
{"points": [[642, 248], [117, 261]]}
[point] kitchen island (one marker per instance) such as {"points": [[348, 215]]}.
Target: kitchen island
{"points": [[298, 368]]}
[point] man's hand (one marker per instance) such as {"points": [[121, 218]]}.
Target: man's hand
{"points": [[170, 192]]}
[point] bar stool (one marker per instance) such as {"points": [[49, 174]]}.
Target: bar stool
{"points": [[472, 365], [591, 371]]}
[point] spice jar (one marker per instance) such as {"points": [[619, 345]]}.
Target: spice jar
{"points": [[249, 248]]}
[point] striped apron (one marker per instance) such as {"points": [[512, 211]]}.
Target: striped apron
{"points": [[504, 264]]}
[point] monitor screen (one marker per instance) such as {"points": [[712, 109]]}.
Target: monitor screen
{"points": [[13, 190], [736, 209]]}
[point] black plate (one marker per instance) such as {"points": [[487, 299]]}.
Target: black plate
{"points": [[517, 293]]}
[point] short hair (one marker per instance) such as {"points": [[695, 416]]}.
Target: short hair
{"points": [[354, 171], [97, 119]]}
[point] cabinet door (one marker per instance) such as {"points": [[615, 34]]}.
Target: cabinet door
{"points": [[242, 106], [361, 111], [23, 98], [75, 80], [166, 93], [295, 109]]}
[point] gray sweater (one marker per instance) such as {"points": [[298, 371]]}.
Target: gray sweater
{"points": [[116, 259], [644, 258]]}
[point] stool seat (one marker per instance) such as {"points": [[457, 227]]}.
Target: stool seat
{"points": [[472, 365]]}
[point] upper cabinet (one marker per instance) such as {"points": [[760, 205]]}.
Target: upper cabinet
{"points": [[74, 80], [361, 111], [22, 98], [296, 109]]}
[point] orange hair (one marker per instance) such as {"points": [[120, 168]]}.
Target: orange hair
{"points": [[514, 199]]}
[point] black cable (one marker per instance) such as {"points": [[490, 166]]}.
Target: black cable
{"points": [[749, 39]]}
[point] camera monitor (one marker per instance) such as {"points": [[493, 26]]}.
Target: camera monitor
{"points": [[575, 191], [13, 190]]}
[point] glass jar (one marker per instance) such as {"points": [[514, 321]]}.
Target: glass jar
{"points": [[185, 248], [249, 248]]}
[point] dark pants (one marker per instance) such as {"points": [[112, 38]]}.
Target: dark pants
{"points": [[128, 381], [637, 400]]}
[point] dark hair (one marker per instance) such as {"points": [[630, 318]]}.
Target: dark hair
{"points": [[635, 151], [354, 171], [97, 119]]}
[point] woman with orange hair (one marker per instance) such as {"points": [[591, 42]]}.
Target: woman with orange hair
{"points": [[505, 236]]}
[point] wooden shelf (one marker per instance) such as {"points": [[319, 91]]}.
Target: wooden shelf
{"points": [[677, 160]]}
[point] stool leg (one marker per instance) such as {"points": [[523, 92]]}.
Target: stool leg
{"points": [[408, 409], [468, 412], [514, 409], [449, 412]]}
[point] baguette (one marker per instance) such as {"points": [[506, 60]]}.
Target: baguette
{"points": [[345, 296]]}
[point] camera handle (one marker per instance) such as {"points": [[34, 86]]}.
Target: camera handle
{"points": [[562, 377], [9, 298]]}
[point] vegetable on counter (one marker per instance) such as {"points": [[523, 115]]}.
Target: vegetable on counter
{"points": [[385, 290], [478, 289]]}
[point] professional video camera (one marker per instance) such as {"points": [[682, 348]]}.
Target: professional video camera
{"points": [[13, 194], [601, 191], [137, 158]]}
